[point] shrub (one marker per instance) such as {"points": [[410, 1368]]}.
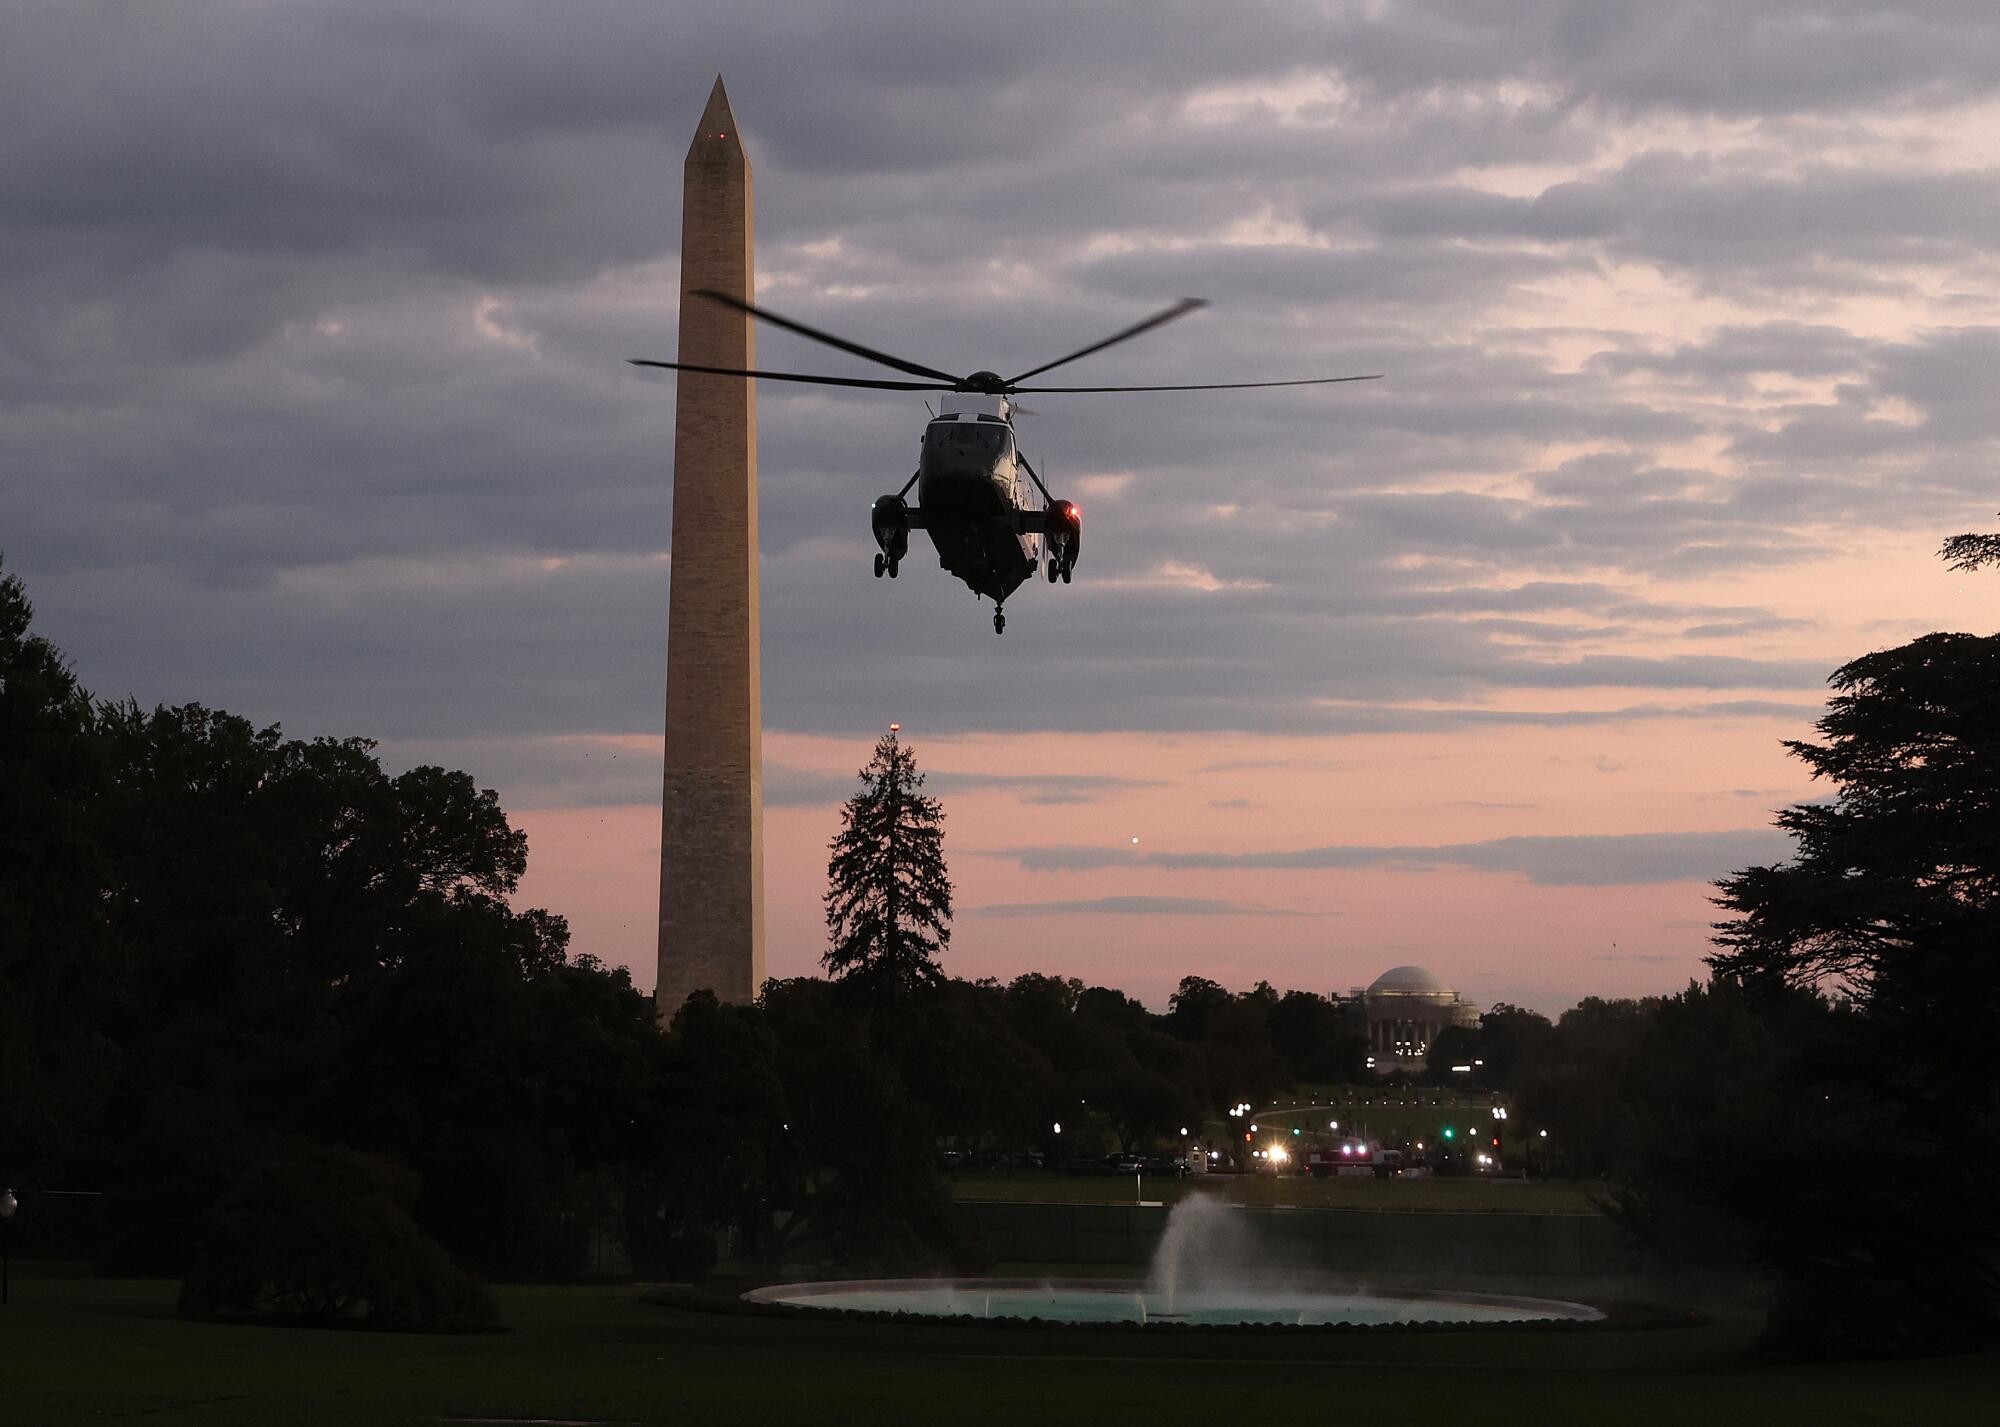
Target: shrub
{"points": [[320, 1235]]}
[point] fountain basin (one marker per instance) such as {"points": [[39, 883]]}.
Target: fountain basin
{"points": [[1128, 1301]]}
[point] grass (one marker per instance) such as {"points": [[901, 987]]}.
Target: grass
{"points": [[1464, 1196], [75, 1349]]}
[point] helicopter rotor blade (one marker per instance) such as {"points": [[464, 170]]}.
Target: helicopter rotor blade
{"points": [[1207, 386], [840, 343], [1179, 309], [871, 383]]}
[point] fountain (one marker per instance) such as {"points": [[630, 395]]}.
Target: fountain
{"points": [[1207, 1250], [1211, 1269]]}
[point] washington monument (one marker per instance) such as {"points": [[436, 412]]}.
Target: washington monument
{"points": [[712, 809]]}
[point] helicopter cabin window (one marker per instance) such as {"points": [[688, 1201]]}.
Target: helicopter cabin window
{"points": [[985, 442]]}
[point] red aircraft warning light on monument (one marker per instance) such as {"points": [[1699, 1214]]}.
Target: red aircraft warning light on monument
{"points": [[988, 527]]}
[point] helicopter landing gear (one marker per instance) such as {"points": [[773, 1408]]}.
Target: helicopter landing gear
{"points": [[999, 622], [880, 566], [886, 566], [1054, 569], [1065, 573]]}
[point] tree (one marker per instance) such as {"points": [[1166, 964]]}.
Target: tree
{"points": [[715, 1127], [1971, 552], [1573, 1090], [888, 900], [1723, 1110], [57, 1067], [1892, 897], [1318, 1039], [320, 1235], [1195, 1004], [867, 1191], [1512, 1041]]}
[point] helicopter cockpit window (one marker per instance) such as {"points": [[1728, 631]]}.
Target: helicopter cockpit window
{"points": [[978, 441]]}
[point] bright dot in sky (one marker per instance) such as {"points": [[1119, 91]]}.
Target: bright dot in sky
{"points": [[1135, 842]]}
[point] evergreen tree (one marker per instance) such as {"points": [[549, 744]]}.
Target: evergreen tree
{"points": [[888, 900]]}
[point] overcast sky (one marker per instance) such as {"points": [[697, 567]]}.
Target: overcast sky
{"points": [[313, 405]]}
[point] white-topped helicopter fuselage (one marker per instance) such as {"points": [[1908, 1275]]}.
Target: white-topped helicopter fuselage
{"points": [[985, 522]]}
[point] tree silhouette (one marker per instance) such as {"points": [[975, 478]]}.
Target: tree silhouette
{"points": [[1971, 552], [888, 900], [1892, 897]]}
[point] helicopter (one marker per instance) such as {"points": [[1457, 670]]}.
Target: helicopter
{"points": [[982, 521]]}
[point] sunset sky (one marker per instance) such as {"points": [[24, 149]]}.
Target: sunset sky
{"points": [[313, 327]]}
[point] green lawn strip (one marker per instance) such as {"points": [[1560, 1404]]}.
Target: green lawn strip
{"points": [[1464, 1196], [76, 1350]]}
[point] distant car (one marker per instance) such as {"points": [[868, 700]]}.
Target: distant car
{"points": [[1124, 1164], [1087, 1164], [1165, 1166]]}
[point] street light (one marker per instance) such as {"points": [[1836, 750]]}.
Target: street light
{"points": [[8, 1204]]}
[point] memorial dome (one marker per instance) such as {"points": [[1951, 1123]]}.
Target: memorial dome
{"points": [[1408, 981]]}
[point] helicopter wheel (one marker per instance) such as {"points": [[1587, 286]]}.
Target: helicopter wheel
{"points": [[999, 622], [1052, 569], [894, 566], [879, 567], [1065, 572]]}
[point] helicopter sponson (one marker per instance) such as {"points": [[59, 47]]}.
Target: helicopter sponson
{"points": [[890, 520], [1062, 531]]}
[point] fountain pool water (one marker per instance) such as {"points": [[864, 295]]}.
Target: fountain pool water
{"points": [[1209, 1270], [1123, 1301]]}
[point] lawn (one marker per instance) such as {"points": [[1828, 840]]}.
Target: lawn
{"points": [[1464, 1196], [74, 1350]]}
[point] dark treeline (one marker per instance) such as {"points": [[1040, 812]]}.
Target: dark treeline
{"points": [[218, 944], [235, 966]]}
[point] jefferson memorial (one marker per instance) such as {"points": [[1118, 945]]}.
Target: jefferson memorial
{"points": [[1406, 1007]]}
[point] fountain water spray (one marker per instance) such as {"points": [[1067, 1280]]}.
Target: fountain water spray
{"points": [[1209, 1250]]}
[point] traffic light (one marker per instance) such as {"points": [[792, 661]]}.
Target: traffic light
{"points": [[1450, 1133], [1295, 1129]]}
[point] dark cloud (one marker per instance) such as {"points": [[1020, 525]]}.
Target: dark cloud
{"points": [[1049, 789], [1133, 906], [796, 787], [1575, 861], [788, 787], [1837, 226]]}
